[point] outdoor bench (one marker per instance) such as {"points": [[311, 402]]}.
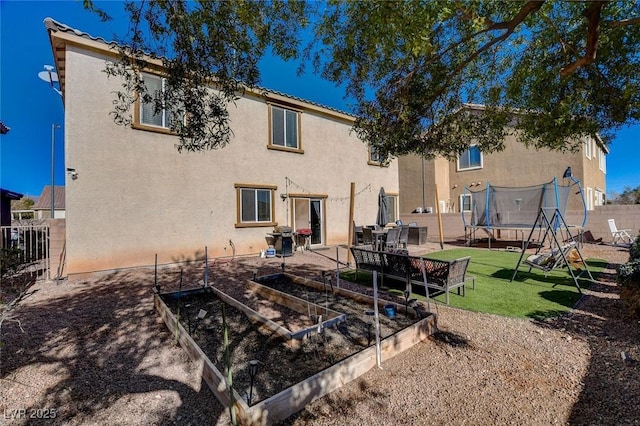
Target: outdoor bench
{"points": [[441, 275]]}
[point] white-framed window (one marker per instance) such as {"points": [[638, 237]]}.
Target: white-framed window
{"points": [[587, 147], [285, 125], [156, 86], [599, 198], [255, 205], [602, 160], [465, 202], [470, 159], [589, 198]]}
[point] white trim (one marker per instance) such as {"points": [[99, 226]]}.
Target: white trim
{"points": [[462, 196], [587, 147], [602, 161]]}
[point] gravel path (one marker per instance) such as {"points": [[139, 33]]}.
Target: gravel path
{"points": [[92, 351]]}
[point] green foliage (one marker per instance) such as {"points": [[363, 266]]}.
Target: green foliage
{"points": [[628, 196], [12, 262], [24, 203], [634, 249], [203, 45], [410, 66], [553, 70], [629, 279]]}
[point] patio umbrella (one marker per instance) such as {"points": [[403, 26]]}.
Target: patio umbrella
{"points": [[383, 214]]}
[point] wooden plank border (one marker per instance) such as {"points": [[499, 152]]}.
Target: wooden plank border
{"points": [[293, 399]]}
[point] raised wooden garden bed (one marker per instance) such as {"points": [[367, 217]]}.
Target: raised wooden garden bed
{"points": [[415, 326]]}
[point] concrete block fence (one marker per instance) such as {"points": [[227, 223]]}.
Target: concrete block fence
{"points": [[626, 217]]}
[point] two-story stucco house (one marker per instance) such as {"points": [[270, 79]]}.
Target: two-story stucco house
{"points": [[290, 163], [515, 166]]}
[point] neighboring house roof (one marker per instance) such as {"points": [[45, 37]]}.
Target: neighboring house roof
{"points": [[54, 26], [44, 201], [9, 195]]}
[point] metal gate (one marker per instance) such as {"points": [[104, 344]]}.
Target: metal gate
{"points": [[32, 241]]}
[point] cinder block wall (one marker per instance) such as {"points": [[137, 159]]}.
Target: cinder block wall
{"points": [[57, 232], [626, 217]]}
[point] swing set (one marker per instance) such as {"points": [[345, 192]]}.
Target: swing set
{"points": [[556, 247]]}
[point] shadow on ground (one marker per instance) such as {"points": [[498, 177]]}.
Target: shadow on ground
{"points": [[610, 393], [114, 359]]}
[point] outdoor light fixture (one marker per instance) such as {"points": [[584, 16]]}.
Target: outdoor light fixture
{"points": [[284, 196], [72, 173], [253, 370], [454, 186]]}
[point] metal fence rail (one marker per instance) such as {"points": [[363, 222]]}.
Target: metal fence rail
{"points": [[31, 240]]}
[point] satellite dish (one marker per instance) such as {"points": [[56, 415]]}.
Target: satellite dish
{"points": [[50, 76]]}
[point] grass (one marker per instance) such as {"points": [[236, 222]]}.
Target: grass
{"points": [[530, 295]]}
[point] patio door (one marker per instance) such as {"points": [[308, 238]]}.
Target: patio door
{"points": [[307, 213]]}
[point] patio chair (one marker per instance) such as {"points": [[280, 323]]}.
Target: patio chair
{"points": [[393, 238], [619, 235], [357, 235], [367, 237], [404, 236]]}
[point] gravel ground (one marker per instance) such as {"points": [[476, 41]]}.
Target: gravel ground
{"points": [[91, 350]]}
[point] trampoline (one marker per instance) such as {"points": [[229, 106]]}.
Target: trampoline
{"points": [[495, 209]]}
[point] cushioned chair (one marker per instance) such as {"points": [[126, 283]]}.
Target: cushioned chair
{"points": [[549, 261]]}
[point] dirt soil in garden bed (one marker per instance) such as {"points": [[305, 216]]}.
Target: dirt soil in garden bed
{"points": [[93, 349], [283, 363]]}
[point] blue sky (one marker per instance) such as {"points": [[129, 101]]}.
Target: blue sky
{"points": [[29, 106]]}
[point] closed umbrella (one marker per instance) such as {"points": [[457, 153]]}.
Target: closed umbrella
{"points": [[383, 214]]}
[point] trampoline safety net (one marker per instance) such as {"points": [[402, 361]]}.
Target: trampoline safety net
{"points": [[510, 207]]}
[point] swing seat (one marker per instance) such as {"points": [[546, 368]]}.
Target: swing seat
{"points": [[551, 260]]}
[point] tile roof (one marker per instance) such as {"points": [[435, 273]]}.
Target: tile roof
{"points": [[44, 201], [11, 195], [55, 26]]}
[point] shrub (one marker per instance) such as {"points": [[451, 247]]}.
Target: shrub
{"points": [[629, 279], [634, 250]]}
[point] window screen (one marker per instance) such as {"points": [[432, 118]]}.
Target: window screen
{"points": [[284, 127]]}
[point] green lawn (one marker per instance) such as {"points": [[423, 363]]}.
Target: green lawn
{"points": [[530, 295]]}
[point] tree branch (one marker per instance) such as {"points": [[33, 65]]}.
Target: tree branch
{"points": [[510, 26], [593, 31], [623, 23]]}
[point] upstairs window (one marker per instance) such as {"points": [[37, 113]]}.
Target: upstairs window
{"points": [[156, 86], [375, 157], [587, 147], [285, 128], [602, 159], [471, 158]]}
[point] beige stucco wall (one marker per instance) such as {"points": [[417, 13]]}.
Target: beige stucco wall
{"points": [[516, 166], [135, 195]]}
